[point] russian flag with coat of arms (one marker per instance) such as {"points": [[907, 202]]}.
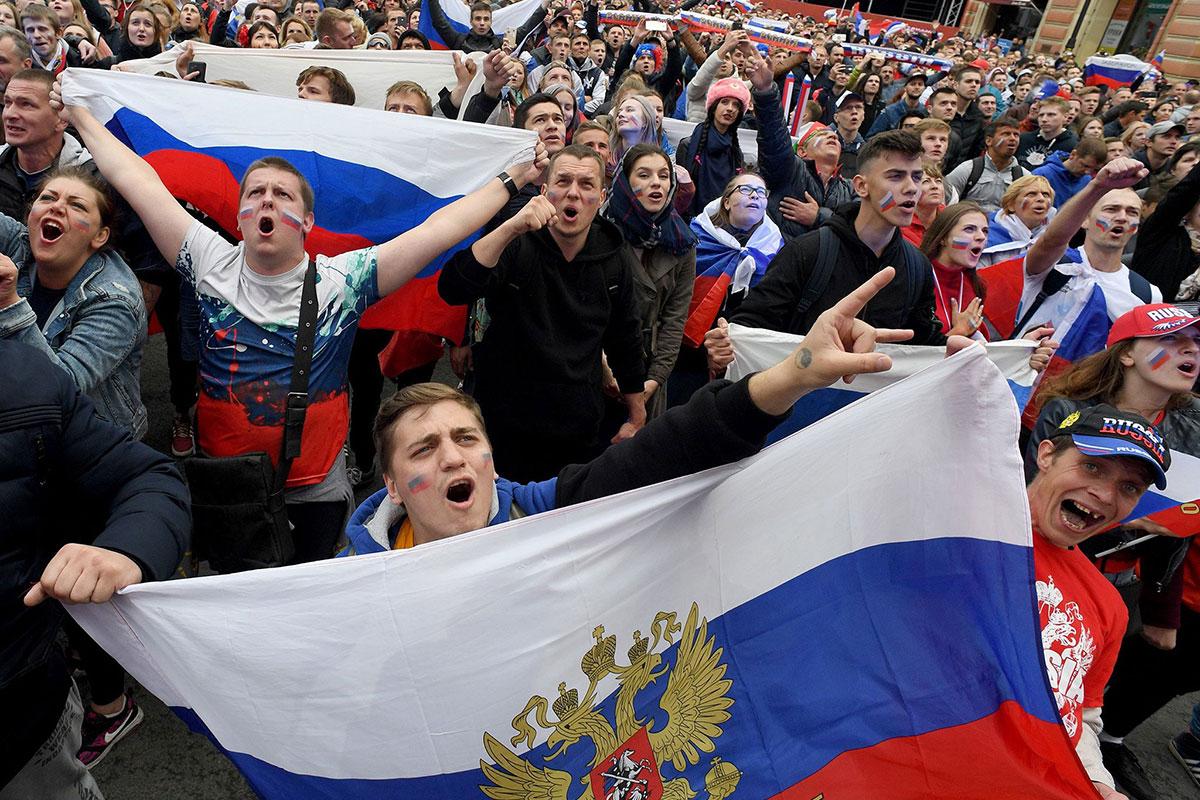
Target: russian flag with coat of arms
{"points": [[820, 619]]}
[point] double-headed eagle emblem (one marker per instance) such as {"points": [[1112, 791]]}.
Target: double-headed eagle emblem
{"points": [[626, 755]]}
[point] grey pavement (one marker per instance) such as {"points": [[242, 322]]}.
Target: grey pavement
{"points": [[163, 759]]}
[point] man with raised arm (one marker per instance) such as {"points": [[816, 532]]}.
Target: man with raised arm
{"points": [[249, 298]]}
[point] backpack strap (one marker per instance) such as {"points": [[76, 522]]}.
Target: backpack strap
{"points": [[1140, 287], [1054, 282], [914, 264], [828, 250], [973, 178]]}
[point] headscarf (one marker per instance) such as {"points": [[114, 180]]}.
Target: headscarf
{"points": [[665, 229]]}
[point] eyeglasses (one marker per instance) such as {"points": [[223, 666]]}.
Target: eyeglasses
{"points": [[751, 191]]}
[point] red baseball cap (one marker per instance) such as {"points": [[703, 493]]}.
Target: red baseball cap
{"points": [[1155, 319]]}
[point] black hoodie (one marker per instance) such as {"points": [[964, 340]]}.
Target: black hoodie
{"points": [[773, 303], [538, 366]]}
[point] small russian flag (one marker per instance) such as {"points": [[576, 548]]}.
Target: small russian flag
{"points": [[861, 26], [745, 5], [1157, 61]]}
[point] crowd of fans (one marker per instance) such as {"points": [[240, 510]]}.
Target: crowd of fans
{"points": [[850, 198]]}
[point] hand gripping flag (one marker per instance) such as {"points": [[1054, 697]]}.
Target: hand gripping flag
{"points": [[756, 349], [459, 16], [374, 174], [818, 619]]}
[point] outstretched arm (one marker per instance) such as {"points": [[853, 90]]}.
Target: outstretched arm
{"points": [[1048, 248], [136, 180], [400, 259]]}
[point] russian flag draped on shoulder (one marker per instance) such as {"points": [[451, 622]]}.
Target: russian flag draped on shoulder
{"points": [[374, 174], [459, 16], [782, 627]]}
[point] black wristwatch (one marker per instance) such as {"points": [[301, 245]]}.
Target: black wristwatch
{"points": [[509, 183]]}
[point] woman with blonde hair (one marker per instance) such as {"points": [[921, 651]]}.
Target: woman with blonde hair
{"points": [[1026, 208], [1135, 136]]}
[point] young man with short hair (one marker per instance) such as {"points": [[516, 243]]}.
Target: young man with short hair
{"points": [[1162, 140], [1091, 471], [408, 97], [909, 104], [558, 282], [864, 237], [479, 39], [1109, 211], [1070, 173], [993, 172], [968, 121], [934, 135], [43, 31], [848, 118], [1052, 134], [250, 294], [325, 85], [335, 29]]}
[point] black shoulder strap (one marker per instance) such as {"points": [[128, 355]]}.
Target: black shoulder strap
{"points": [[915, 263], [973, 178], [1140, 287], [828, 249], [1017, 172], [1054, 282], [296, 407]]}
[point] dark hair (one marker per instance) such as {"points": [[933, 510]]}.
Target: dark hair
{"points": [[939, 230], [639, 151], [735, 145], [34, 75], [275, 162], [521, 115], [962, 69], [1184, 149], [481, 5], [941, 90], [903, 143], [413, 33], [340, 90], [418, 395], [105, 205], [992, 128], [261, 25]]}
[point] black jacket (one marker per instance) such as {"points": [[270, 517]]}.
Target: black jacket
{"points": [[538, 366], [469, 42], [1164, 254], [787, 174], [968, 126], [774, 302], [66, 476]]}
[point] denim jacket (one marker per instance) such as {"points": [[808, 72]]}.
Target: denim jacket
{"points": [[95, 333]]}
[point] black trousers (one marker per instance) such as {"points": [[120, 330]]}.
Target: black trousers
{"points": [[105, 676], [182, 371], [1145, 678], [316, 528]]}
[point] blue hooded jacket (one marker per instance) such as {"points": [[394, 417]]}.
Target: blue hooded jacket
{"points": [[1065, 184]]}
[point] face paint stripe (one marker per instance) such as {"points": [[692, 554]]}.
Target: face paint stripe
{"points": [[291, 220], [418, 484], [888, 202], [960, 244], [1157, 358], [246, 213]]}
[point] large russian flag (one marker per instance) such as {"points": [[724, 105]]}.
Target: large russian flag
{"points": [[459, 15], [823, 618], [1113, 71], [374, 174]]}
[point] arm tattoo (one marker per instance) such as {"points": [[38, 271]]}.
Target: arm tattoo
{"points": [[804, 358]]}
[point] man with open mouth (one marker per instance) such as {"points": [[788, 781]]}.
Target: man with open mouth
{"points": [[1092, 471], [1109, 212]]}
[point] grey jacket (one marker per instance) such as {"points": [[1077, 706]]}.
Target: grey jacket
{"points": [[95, 333]]}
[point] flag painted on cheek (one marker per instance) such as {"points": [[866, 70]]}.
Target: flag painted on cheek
{"points": [[1157, 358], [763, 638], [291, 220], [960, 244], [888, 202], [358, 162], [418, 484]]}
